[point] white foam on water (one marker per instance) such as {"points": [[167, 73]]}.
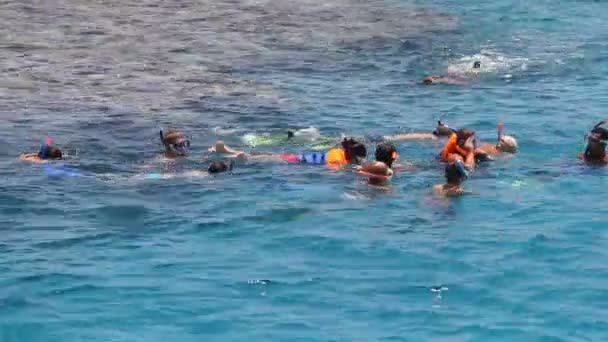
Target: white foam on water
{"points": [[491, 63]]}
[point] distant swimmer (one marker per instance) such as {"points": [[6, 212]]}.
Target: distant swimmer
{"points": [[47, 152], [455, 174], [380, 171], [349, 152], [476, 65], [504, 144], [442, 130], [429, 80], [175, 142], [595, 151]]}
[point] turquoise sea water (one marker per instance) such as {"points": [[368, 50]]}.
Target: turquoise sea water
{"points": [[286, 253]]}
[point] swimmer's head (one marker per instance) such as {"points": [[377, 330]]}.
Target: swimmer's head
{"points": [[476, 65], [50, 152], [464, 134], [595, 151], [290, 134], [442, 130], [386, 153], [175, 142], [219, 166], [354, 151], [427, 80], [596, 143], [599, 134], [455, 172], [507, 144]]}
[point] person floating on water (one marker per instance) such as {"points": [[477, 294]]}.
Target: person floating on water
{"points": [[455, 174], [175, 143], [595, 151], [47, 152], [440, 131], [380, 171], [460, 146], [350, 152], [429, 80], [504, 144]]}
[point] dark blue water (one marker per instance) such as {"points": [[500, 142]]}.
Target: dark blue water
{"points": [[277, 252]]}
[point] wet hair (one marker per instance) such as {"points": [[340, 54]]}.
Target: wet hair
{"points": [[54, 153], [453, 173], [219, 166], [476, 65], [171, 136], [353, 150], [50, 152], [595, 151], [427, 81], [599, 133], [386, 153], [290, 134]]}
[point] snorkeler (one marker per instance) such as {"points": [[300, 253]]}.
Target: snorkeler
{"points": [[455, 174], [47, 152], [460, 146], [504, 144], [595, 151], [380, 171], [350, 152], [429, 80], [175, 143]]}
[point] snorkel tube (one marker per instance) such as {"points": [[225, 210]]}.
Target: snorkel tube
{"points": [[499, 131]]}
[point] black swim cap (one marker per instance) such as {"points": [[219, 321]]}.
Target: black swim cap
{"points": [[386, 153], [353, 150]]}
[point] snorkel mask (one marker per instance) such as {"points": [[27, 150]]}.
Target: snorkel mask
{"points": [[596, 140], [179, 147], [44, 152]]}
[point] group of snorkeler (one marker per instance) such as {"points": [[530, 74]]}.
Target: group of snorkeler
{"points": [[461, 153]]}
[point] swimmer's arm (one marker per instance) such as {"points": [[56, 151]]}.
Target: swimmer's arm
{"points": [[376, 168], [453, 81], [260, 157], [195, 174], [410, 136], [407, 167], [469, 161], [32, 157]]}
